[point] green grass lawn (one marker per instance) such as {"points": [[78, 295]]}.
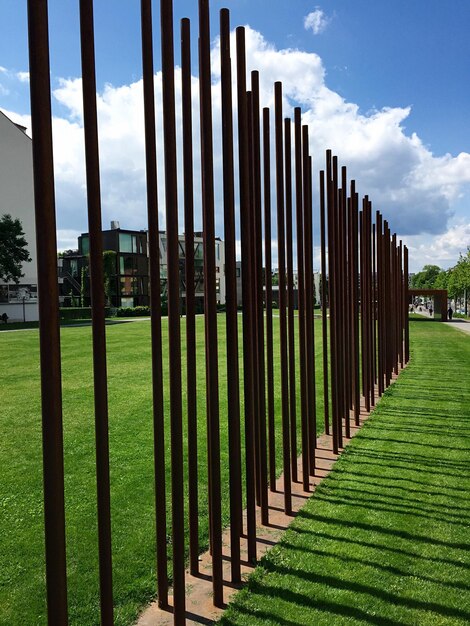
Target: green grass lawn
{"points": [[386, 538], [22, 587]]}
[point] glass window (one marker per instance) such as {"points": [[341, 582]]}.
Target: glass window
{"points": [[125, 242], [217, 251], [85, 245], [127, 265]]}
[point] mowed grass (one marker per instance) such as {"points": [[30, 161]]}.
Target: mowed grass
{"points": [[22, 578], [386, 538]]}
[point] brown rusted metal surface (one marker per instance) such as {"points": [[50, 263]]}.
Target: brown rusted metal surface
{"points": [[233, 390], [175, 384], [190, 303], [282, 296], [48, 296], [247, 295], [210, 302], [155, 304], [364, 288], [100, 383]]}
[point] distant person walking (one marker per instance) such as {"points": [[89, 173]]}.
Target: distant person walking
{"points": [[449, 313]]}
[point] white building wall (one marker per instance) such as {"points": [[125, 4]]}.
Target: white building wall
{"points": [[17, 199]]}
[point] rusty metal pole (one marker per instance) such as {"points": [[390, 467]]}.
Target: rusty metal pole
{"points": [[210, 302], [171, 202], [282, 297], [258, 267], [244, 181], [308, 278], [337, 306], [344, 303], [355, 273], [405, 289], [49, 330], [190, 299], [324, 303], [155, 305], [253, 299], [332, 297], [301, 289], [269, 298], [90, 126], [233, 375], [380, 349], [290, 299]]}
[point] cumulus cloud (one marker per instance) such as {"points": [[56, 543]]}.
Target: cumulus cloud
{"points": [[316, 21], [414, 189], [443, 250], [23, 77]]}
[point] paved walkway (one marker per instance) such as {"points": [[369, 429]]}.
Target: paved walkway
{"points": [[460, 324]]}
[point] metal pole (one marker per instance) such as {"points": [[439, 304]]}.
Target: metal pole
{"points": [[258, 267], [269, 298], [324, 303], [282, 297], [155, 305], [301, 287], [244, 179], [290, 299], [171, 203], [48, 298], [90, 125], [191, 375], [210, 303], [233, 391]]}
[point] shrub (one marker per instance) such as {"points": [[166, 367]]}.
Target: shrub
{"points": [[137, 311]]}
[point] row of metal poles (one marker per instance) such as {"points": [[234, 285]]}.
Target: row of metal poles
{"points": [[363, 290]]}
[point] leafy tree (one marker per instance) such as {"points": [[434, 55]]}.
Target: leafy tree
{"points": [[13, 250], [426, 278], [109, 269]]}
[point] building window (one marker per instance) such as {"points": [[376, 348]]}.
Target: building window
{"points": [[128, 243], [85, 245], [127, 265]]}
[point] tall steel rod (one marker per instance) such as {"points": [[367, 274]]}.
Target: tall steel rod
{"points": [[258, 271], [405, 290], [49, 331], [380, 316], [309, 304], [210, 302], [344, 354], [171, 205], [282, 297], [233, 391], [290, 299], [332, 297], [269, 298], [190, 299], [244, 181], [299, 209], [355, 286], [324, 304], [155, 304], [90, 125], [337, 304]]}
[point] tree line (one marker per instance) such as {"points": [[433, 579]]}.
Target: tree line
{"points": [[456, 279]]}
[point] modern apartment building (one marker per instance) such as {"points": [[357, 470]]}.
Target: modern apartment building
{"points": [[130, 279]]}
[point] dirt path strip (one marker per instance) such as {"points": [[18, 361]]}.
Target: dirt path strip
{"points": [[199, 607]]}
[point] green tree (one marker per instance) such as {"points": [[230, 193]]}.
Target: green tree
{"points": [[426, 278], [13, 249], [109, 270]]}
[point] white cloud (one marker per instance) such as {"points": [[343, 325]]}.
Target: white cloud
{"points": [[443, 250], [23, 77], [316, 21], [415, 190]]}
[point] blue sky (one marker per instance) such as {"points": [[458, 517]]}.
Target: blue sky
{"points": [[389, 85]]}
